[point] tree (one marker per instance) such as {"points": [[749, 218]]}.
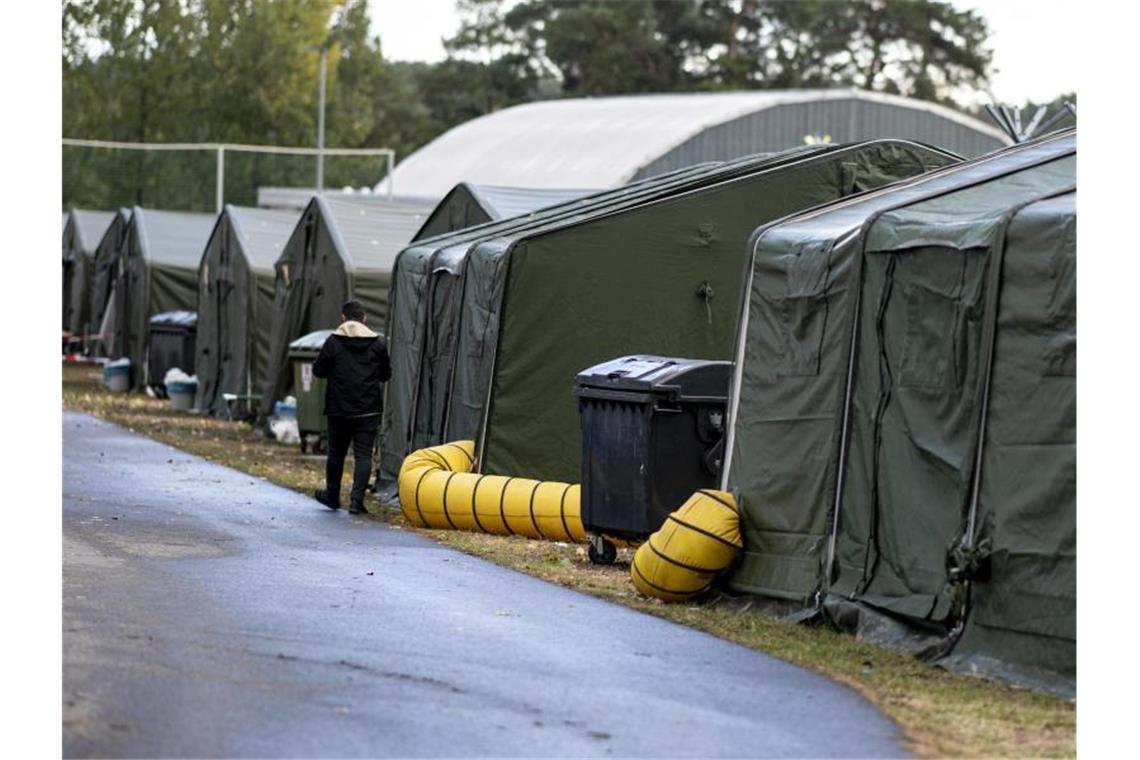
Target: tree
{"points": [[241, 71], [923, 49]]}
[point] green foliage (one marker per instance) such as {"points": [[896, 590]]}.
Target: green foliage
{"points": [[924, 49], [246, 71], [238, 71]]}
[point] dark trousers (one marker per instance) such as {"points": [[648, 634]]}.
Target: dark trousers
{"points": [[360, 432]]}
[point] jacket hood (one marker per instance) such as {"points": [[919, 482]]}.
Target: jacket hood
{"points": [[355, 336], [352, 329]]}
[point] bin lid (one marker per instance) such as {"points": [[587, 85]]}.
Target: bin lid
{"points": [[678, 378], [180, 318], [311, 342]]}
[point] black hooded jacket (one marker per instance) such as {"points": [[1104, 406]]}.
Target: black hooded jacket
{"points": [[354, 362]]}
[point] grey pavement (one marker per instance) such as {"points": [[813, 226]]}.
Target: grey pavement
{"points": [[208, 613]]}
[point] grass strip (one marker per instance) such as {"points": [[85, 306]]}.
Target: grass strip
{"points": [[941, 714]]}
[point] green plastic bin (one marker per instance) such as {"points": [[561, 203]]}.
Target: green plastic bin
{"points": [[309, 390]]}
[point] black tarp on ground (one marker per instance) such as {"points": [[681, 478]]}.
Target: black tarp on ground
{"points": [[342, 247], [82, 231], [235, 302], [467, 205], [856, 469], [104, 266], [157, 271], [659, 278]]}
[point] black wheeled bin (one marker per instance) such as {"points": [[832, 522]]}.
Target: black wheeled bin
{"points": [[171, 340], [652, 433]]}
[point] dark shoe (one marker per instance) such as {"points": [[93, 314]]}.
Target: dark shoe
{"points": [[323, 497], [357, 508]]}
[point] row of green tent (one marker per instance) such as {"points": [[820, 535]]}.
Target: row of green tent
{"points": [[860, 289], [258, 278], [903, 415], [902, 322], [490, 325]]}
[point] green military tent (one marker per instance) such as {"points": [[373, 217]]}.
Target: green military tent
{"points": [[235, 302], [425, 309], [343, 247], [1022, 621], [104, 265], [82, 232], [467, 205], [157, 271], [902, 413], [660, 278]]}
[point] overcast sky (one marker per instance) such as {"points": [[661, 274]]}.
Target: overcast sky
{"points": [[1029, 38]]}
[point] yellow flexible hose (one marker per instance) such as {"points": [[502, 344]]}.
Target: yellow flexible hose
{"points": [[698, 541], [438, 490], [677, 563]]}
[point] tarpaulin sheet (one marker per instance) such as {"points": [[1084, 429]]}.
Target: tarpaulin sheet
{"points": [[467, 205], [157, 271], [104, 267], [424, 316], [235, 302], [660, 277], [82, 231], [1022, 621], [857, 408]]}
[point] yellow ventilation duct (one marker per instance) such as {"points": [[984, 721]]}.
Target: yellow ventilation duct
{"points": [[438, 490], [698, 541]]}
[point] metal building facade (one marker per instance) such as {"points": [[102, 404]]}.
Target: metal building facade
{"points": [[605, 142], [866, 117]]}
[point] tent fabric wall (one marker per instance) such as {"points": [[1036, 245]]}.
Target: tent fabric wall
{"points": [[461, 372], [82, 232], [858, 398], [420, 403], [235, 302], [426, 306], [792, 362], [342, 247], [157, 271], [467, 205], [1022, 619], [558, 299], [104, 266]]}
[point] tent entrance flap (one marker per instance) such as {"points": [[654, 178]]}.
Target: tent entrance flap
{"points": [[903, 406]]}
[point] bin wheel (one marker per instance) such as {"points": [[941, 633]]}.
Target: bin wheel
{"points": [[601, 552], [303, 443]]}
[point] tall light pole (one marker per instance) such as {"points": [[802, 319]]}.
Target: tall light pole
{"points": [[321, 119]]}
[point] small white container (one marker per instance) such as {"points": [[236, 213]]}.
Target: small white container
{"points": [[181, 394], [117, 377]]}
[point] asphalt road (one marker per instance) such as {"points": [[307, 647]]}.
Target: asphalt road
{"points": [[207, 613]]}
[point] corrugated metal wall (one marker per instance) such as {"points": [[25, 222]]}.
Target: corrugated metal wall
{"points": [[846, 120]]}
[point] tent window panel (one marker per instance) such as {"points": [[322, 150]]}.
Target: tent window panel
{"points": [[801, 312], [942, 292], [928, 350]]}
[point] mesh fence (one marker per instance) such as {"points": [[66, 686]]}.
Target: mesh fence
{"points": [[186, 178]]}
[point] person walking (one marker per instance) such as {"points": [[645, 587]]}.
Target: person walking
{"points": [[354, 362]]}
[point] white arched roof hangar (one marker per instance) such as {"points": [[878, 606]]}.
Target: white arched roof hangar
{"points": [[606, 142]]}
